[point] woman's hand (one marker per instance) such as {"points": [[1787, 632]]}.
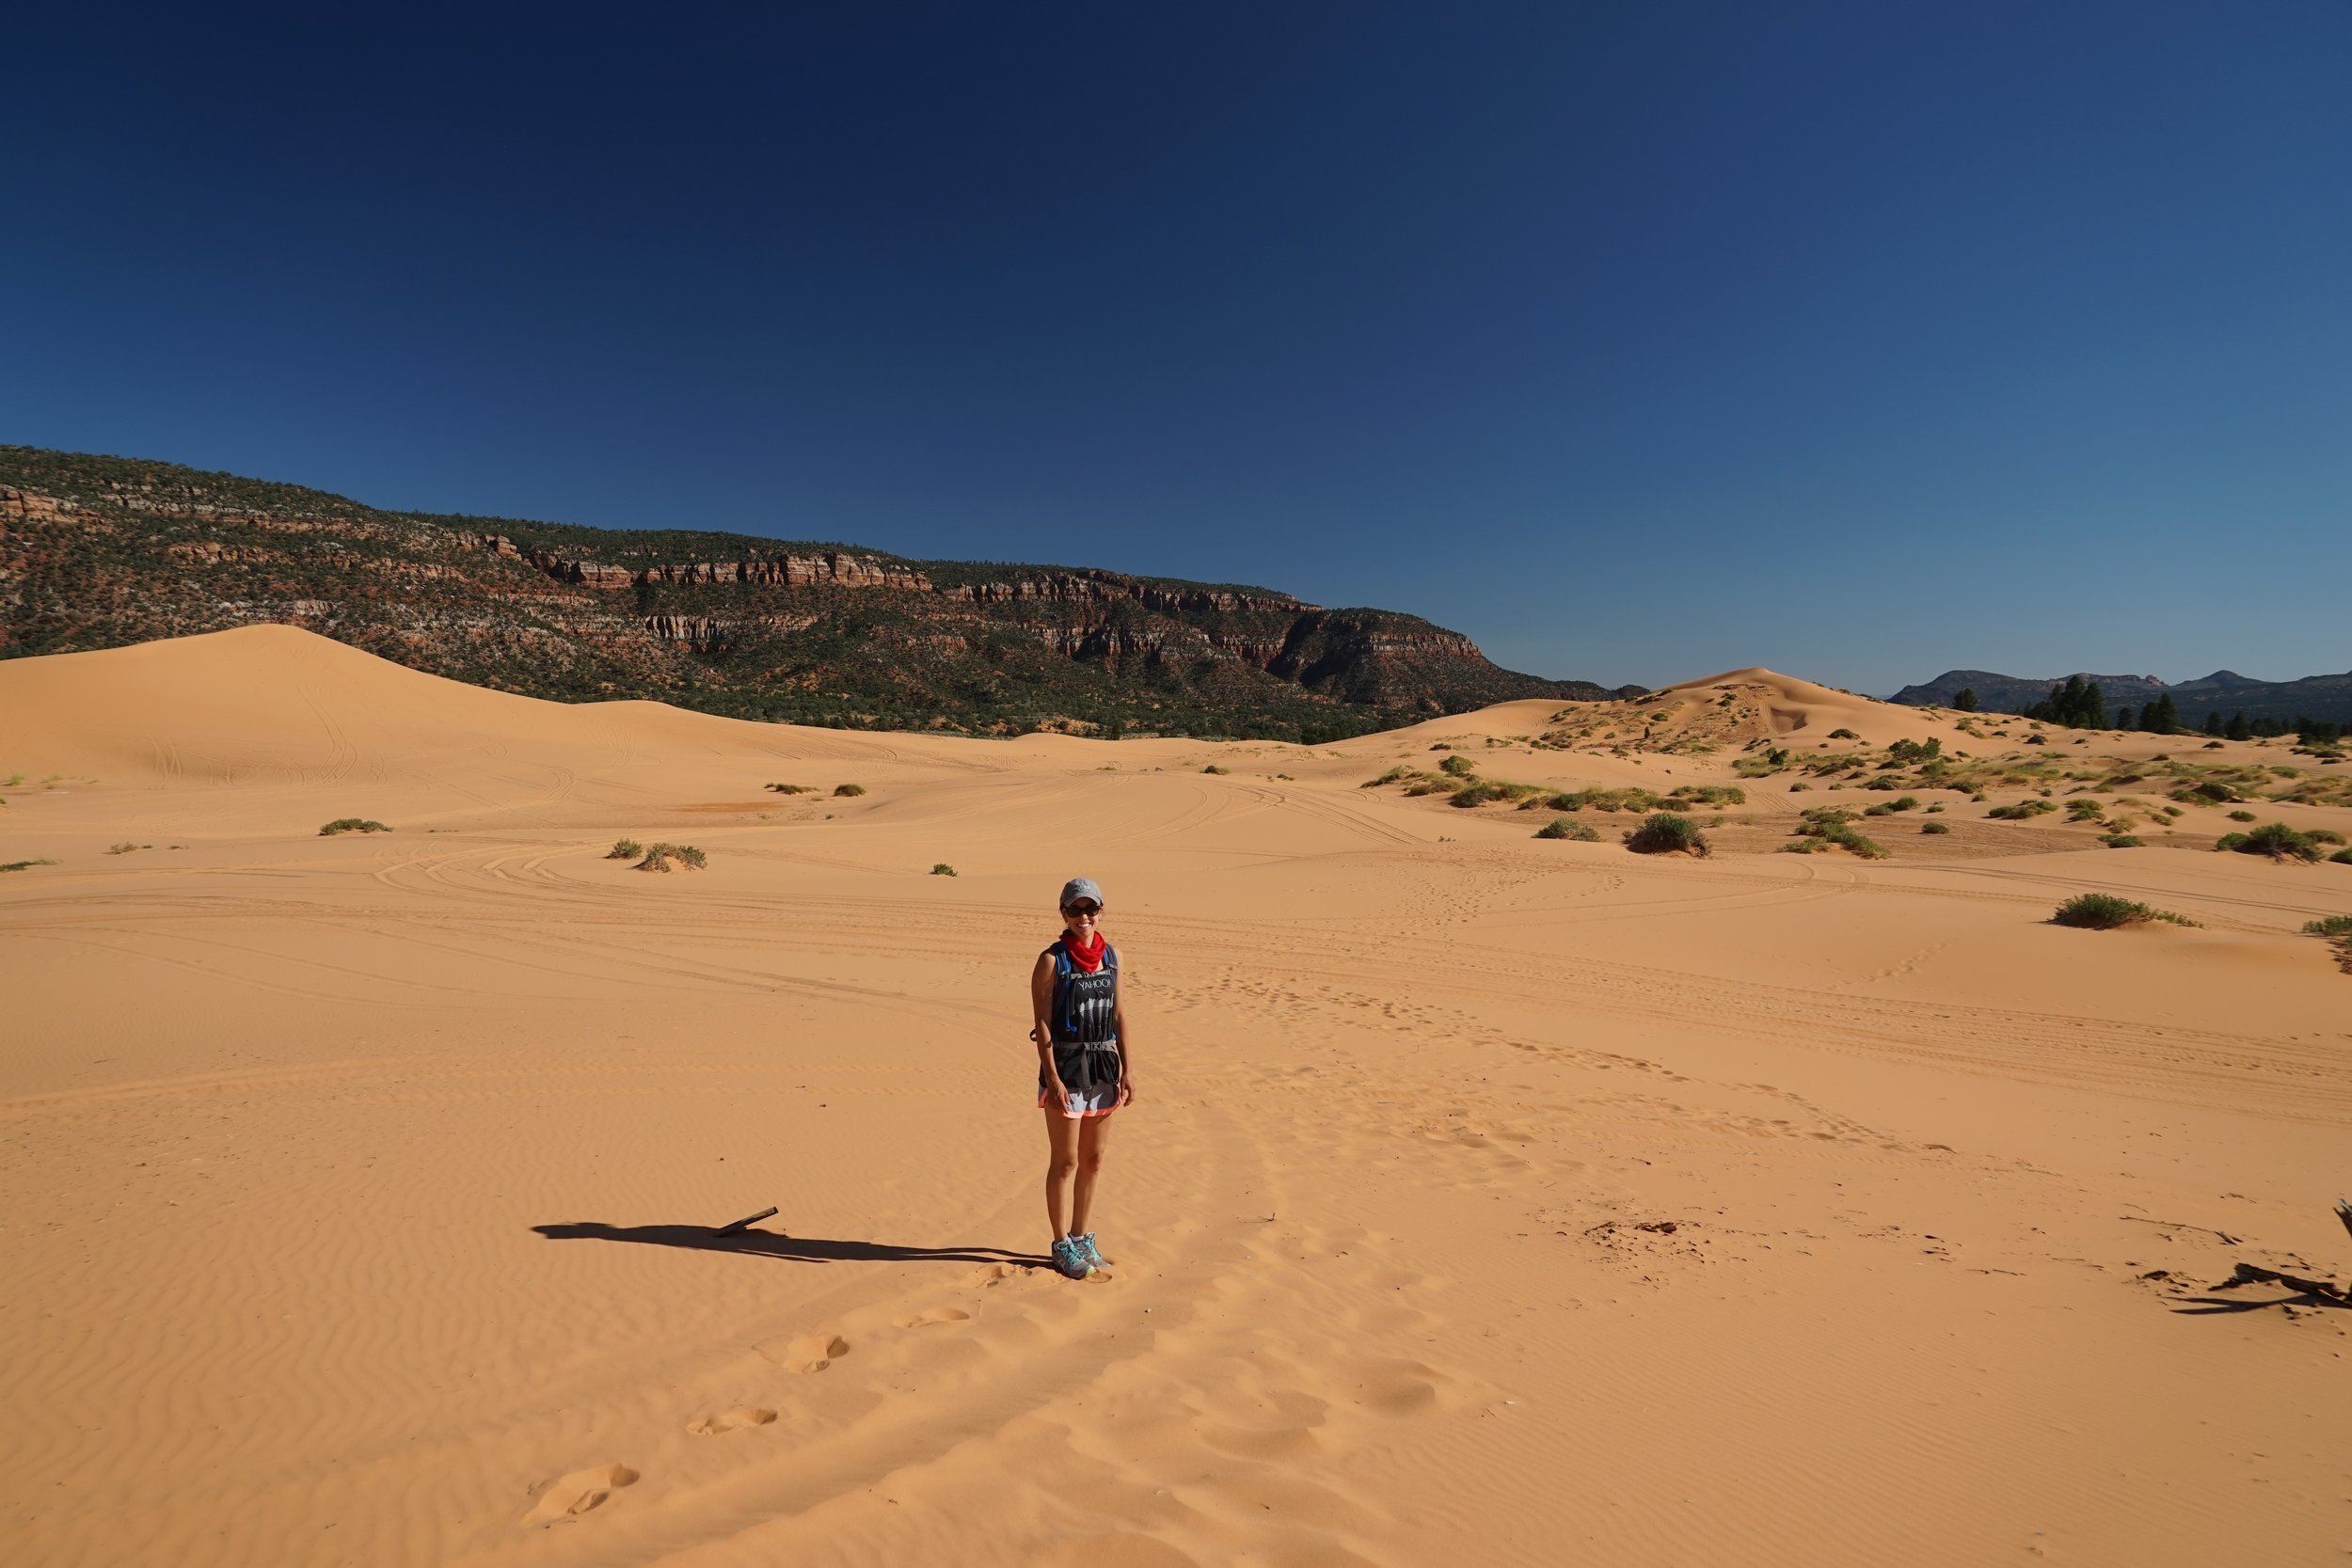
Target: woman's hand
{"points": [[1127, 1089]]}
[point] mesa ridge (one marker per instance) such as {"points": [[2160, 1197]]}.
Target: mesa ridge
{"points": [[99, 552]]}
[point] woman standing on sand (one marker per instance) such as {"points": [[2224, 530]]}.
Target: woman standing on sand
{"points": [[1080, 1028]]}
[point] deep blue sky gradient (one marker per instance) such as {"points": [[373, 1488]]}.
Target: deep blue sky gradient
{"points": [[1861, 341]]}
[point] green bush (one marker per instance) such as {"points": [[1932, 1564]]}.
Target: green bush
{"points": [[793, 789], [2105, 911], [2275, 839], [860, 789], [1474, 795], [123, 848], [352, 825], [1935, 827], [1388, 778], [2241, 816], [2023, 811], [2323, 836], [1663, 834], [1213, 768], [667, 857], [1632, 798], [1561, 827], [1711, 795], [23, 865], [2341, 857], [625, 850], [1460, 766], [2336, 928], [2121, 841], [1843, 734], [1823, 826], [942, 868]]}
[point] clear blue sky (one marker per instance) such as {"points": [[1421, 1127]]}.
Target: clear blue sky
{"points": [[1637, 342]]}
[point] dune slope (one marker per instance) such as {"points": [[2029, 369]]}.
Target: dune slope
{"points": [[1481, 1192]]}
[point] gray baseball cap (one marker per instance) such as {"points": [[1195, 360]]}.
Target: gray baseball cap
{"points": [[1082, 887]]}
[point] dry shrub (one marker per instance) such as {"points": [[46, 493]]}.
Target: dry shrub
{"points": [[1664, 833]]}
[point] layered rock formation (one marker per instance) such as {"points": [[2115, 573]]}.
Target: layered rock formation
{"points": [[98, 551]]}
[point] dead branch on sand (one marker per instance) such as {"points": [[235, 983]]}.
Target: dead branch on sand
{"points": [[2252, 1273]]}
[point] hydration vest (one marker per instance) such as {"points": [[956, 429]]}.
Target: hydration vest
{"points": [[1083, 1019], [1084, 1009]]}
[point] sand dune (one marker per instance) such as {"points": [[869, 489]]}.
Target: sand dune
{"points": [[1532, 1199], [1805, 707]]}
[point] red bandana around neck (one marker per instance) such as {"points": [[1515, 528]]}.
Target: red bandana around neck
{"points": [[1086, 957]]}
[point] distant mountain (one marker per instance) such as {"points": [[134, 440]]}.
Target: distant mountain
{"points": [[1998, 693], [2328, 698], [2228, 680], [96, 552]]}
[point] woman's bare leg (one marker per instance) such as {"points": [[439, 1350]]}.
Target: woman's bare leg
{"points": [[1093, 1134], [1061, 1140]]}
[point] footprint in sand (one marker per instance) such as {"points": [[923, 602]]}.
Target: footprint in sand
{"points": [[1396, 1387], [568, 1497], [731, 1420], [936, 1315], [810, 1353]]}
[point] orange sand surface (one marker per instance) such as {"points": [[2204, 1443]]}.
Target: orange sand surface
{"points": [[1486, 1199]]}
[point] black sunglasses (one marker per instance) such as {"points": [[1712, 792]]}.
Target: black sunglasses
{"points": [[1083, 908]]}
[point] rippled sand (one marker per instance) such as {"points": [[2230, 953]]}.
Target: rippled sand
{"points": [[1492, 1199]]}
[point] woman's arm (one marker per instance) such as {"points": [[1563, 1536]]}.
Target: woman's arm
{"points": [[1040, 1004]]}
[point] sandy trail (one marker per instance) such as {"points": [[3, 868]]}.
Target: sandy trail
{"points": [[1539, 1197]]}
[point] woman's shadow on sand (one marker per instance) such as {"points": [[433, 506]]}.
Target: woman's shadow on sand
{"points": [[798, 1250]]}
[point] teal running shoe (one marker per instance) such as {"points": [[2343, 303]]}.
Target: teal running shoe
{"points": [[1071, 1260], [1093, 1253]]}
